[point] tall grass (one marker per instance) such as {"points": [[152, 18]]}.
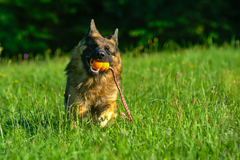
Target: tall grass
{"points": [[185, 105]]}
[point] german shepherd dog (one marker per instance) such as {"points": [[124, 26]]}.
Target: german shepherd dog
{"points": [[96, 96]]}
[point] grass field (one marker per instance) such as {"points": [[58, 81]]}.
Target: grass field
{"points": [[185, 105]]}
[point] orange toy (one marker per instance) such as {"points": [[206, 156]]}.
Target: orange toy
{"points": [[98, 65]]}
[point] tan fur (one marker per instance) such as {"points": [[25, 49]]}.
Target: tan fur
{"points": [[96, 98], [113, 42], [96, 35]]}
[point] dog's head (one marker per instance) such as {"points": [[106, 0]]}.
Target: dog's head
{"points": [[95, 47]]}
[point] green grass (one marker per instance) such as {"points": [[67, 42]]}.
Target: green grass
{"points": [[185, 105]]}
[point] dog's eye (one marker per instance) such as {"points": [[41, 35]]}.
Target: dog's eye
{"points": [[94, 45], [107, 49]]}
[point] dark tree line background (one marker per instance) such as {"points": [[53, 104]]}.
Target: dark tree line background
{"points": [[30, 26]]}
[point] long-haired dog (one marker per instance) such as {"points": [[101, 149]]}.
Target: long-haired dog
{"points": [[96, 96]]}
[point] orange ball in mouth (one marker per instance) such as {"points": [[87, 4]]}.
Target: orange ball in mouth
{"points": [[98, 65]]}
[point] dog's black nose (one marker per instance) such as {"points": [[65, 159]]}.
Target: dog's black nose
{"points": [[101, 55]]}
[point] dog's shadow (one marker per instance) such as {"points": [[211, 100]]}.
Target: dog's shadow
{"points": [[33, 122], [42, 121]]}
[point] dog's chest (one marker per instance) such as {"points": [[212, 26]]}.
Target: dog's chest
{"points": [[98, 94]]}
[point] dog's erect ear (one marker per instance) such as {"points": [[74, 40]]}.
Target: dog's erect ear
{"points": [[115, 36], [92, 29]]}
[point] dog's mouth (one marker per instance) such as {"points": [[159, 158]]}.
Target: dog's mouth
{"points": [[95, 71], [91, 70]]}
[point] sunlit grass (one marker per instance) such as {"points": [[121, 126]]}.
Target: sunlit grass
{"points": [[185, 105]]}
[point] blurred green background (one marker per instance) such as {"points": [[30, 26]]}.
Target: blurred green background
{"points": [[29, 26]]}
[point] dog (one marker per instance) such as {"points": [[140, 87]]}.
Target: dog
{"points": [[95, 97]]}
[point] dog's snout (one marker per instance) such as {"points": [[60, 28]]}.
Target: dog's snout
{"points": [[101, 55]]}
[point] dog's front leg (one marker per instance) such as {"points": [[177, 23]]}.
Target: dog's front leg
{"points": [[109, 113]]}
